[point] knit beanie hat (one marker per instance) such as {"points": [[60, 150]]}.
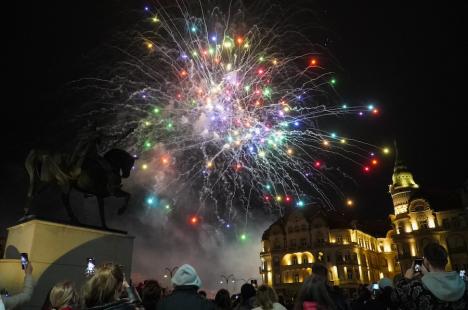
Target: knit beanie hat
{"points": [[186, 275], [384, 282]]}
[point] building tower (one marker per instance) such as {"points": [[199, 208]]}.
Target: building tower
{"points": [[402, 186]]}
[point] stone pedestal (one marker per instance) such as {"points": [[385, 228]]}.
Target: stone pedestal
{"points": [[58, 252]]}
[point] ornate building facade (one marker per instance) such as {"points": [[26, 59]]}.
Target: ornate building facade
{"points": [[351, 253], [421, 217], [293, 243]]}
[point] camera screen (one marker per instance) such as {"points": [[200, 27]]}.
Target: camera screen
{"points": [[417, 264], [24, 260], [375, 286], [91, 265]]}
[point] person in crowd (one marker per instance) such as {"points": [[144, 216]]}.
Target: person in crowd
{"points": [[63, 296], [314, 295], [103, 289], [222, 300], [15, 301], [151, 292], [432, 287], [186, 283], [266, 299], [321, 271], [247, 298], [364, 295]]}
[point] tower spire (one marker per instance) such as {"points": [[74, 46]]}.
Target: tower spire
{"points": [[402, 184]]}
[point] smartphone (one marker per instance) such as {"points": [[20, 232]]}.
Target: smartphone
{"points": [[90, 266], [417, 264], [24, 260], [462, 274], [375, 286]]}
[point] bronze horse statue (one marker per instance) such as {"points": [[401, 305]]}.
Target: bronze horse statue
{"points": [[100, 176]]}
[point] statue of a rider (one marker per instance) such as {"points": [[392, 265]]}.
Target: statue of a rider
{"points": [[87, 147]]}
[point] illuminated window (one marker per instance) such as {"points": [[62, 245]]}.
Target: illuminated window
{"points": [[339, 257], [294, 260], [305, 259], [277, 279], [339, 239], [296, 278], [347, 257], [401, 228]]}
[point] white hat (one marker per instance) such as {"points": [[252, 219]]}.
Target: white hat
{"points": [[186, 275]]}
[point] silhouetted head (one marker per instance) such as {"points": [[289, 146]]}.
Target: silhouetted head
{"points": [[314, 290], [222, 299], [435, 256], [247, 291]]}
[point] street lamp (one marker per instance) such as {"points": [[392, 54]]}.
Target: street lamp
{"points": [[226, 279], [170, 271]]}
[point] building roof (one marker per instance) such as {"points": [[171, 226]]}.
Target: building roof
{"points": [[336, 219]]}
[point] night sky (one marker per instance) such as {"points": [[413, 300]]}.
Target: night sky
{"points": [[411, 61]]}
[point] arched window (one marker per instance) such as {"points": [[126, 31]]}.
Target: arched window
{"points": [[294, 260], [401, 228], [305, 259]]}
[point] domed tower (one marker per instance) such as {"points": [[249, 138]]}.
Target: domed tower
{"points": [[402, 186]]}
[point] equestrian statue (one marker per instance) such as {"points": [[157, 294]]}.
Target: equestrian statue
{"points": [[85, 170]]}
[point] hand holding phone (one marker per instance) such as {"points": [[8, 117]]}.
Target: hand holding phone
{"points": [[24, 260], [418, 264]]}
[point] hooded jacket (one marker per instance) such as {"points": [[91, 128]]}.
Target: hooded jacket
{"points": [[435, 290], [185, 297], [186, 284]]}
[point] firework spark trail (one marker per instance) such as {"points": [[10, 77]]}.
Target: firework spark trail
{"points": [[226, 111]]}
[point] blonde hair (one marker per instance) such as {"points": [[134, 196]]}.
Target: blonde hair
{"points": [[62, 295], [265, 297], [103, 286]]}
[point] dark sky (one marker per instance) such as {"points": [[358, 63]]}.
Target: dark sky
{"points": [[411, 60]]}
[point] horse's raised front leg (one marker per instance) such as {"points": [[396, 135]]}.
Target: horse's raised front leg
{"points": [[66, 202], [121, 193], [101, 211]]}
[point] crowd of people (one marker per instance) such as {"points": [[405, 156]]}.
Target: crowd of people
{"points": [[107, 289]]}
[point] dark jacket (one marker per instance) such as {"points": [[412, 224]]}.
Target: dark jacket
{"points": [[434, 291], [185, 297], [122, 304]]}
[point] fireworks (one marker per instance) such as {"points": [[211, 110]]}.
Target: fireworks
{"points": [[227, 111]]}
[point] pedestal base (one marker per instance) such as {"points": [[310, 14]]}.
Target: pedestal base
{"points": [[58, 252]]}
